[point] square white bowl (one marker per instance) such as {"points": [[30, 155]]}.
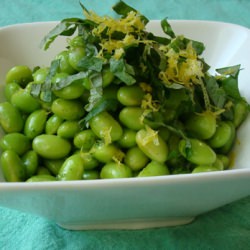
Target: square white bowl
{"points": [[133, 203]]}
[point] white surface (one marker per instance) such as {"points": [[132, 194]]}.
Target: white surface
{"points": [[143, 202]]}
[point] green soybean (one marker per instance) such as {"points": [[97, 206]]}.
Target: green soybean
{"points": [[221, 136], [17, 142], [115, 170], [30, 161], [204, 168], [10, 89], [135, 159], [35, 123], [40, 75], [52, 124], [68, 109], [12, 166], [106, 152], [131, 117], [20, 74], [197, 152], [154, 168], [89, 161], [130, 95], [41, 178], [128, 138], [106, 127], [75, 55], [53, 165], [51, 146], [241, 109], [11, 119], [84, 139], [91, 175], [64, 65], [201, 125], [152, 145], [68, 129], [72, 168], [24, 101]]}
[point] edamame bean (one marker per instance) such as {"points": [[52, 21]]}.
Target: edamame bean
{"points": [[43, 177], [72, 91], [204, 168], [40, 75], [135, 159], [131, 117], [52, 124], [128, 138], [24, 101], [221, 136], [197, 152], [43, 171], [154, 168], [201, 125], [53, 165], [224, 159], [17, 142], [20, 74], [152, 145], [106, 127], [68, 109], [10, 89], [85, 139], [10, 118], [12, 166], [241, 109], [75, 55], [130, 95], [30, 161], [51, 146], [91, 175], [72, 168], [89, 162], [115, 170], [106, 152], [64, 65], [35, 123], [68, 129]]}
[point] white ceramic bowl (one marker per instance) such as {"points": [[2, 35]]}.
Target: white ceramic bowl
{"points": [[137, 202]]}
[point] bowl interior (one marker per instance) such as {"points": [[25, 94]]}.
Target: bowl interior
{"points": [[226, 45]]}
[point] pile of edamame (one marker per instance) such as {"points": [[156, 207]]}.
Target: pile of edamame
{"points": [[115, 104]]}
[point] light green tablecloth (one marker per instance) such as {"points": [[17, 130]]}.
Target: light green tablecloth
{"points": [[225, 228]]}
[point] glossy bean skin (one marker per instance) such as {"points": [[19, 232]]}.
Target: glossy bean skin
{"points": [[106, 152], [40, 75], [20, 74], [106, 127], [154, 168], [204, 168], [199, 153], [201, 125], [68, 109], [30, 161], [11, 119], [128, 138], [24, 101], [91, 175], [115, 170], [53, 165], [131, 117], [89, 161], [72, 168], [221, 136], [75, 55], [17, 142], [10, 89], [68, 129], [130, 95], [51, 146], [135, 159], [12, 166], [241, 110], [84, 139], [41, 178], [52, 124], [35, 123], [152, 145], [73, 91], [64, 65]]}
